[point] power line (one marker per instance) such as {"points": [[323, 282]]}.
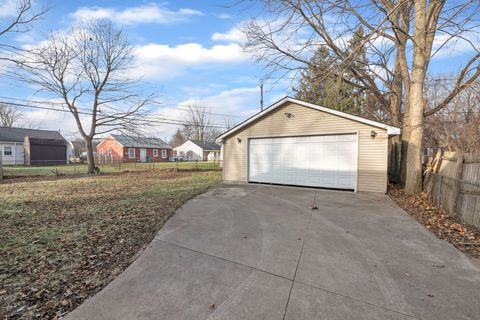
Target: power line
{"points": [[177, 106], [163, 121]]}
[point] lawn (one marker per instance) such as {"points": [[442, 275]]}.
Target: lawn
{"points": [[64, 239], [109, 168]]}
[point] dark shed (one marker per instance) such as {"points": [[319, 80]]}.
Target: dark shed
{"points": [[45, 151]]}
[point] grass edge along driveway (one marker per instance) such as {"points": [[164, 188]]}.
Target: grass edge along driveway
{"points": [[63, 240]]}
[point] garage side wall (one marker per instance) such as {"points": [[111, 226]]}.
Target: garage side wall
{"points": [[372, 153]]}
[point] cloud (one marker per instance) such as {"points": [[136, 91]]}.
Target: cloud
{"points": [[8, 8], [53, 120], [224, 16], [150, 13], [445, 46], [239, 103], [160, 61], [233, 35]]}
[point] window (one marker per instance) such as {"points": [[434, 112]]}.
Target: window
{"points": [[131, 153], [155, 152], [101, 152], [7, 151], [109, 152], [164, 153]]}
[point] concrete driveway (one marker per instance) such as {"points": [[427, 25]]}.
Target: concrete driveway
{"points": [[259, 252]]}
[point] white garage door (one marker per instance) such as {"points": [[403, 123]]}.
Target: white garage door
{"points": [[328, 161]]}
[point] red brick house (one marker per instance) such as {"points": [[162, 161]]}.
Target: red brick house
{"points": [[133, 149]]}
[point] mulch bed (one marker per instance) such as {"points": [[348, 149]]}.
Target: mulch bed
{"points": [[464, 237]]}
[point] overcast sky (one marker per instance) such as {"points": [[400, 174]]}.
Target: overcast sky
{"points": [[188, 52]]}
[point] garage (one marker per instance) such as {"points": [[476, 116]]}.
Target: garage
{"points": [[297, 143], [328, 161]]}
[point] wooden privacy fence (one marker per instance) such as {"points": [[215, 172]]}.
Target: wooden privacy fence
{"points": [[452, 181]]}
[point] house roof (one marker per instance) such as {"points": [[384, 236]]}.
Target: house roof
{"points": [[206, 145], [390, 129], [140, 142], [18, 134]]}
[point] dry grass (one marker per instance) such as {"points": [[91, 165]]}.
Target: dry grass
{"points": [[69, 169], [62, 240]]}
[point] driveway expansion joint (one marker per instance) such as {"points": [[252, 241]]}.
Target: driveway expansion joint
{"points": [[224, 259], [299, 256], [357, 300]]}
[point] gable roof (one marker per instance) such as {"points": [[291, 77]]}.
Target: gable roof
{"points": [[206, 145], [140, 142], [390, 129], [19, 134]]}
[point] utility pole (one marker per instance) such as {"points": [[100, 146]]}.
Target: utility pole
{"points": [[261, 95]]}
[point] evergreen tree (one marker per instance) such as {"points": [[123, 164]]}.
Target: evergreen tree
{"points": [[331, 85], [177, 139]]}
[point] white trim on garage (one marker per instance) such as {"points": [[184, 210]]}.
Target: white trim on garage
{"points": [[313, 175], [390, 129]]}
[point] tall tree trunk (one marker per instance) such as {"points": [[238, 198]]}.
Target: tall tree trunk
{"points": [[404, 146], [90, 158], [401, 58], [395, 105], [413, 183]]}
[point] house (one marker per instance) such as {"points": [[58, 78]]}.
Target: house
{"points": [[197, 150], [133, 149], [298, 143], [20, 146]]}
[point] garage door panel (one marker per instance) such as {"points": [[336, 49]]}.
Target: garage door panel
{"points": [[321, 161]]}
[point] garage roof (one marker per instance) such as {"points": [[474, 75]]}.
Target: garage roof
{"points": [[18, 134], [390, 130]]}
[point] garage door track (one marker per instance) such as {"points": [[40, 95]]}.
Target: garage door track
{"points": [[260, 252]]}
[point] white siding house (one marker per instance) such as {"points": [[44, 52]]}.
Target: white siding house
{"points": [[12, 152], [193, 150], [12, 144]]}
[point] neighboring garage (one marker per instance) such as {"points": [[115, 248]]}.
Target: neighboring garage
{"points": [[298, 143]]}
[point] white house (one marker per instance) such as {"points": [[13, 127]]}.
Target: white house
{"points": [[193, 150], [43, 147]]}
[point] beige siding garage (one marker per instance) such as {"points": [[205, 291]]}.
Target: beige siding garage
{"points": [[294, 118]]}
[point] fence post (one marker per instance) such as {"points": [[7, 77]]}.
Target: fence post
{"points": [[1, 166], [456, 185], [437, 161]]}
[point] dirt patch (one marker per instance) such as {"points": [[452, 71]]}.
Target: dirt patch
{"points": [[62, 239], [464, 237]]}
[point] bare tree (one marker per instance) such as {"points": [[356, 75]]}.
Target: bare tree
{"points": [[9, 115], [400, 33], [457, 126], [199, 125], [87, 68], [229, 124], [18, 22]]}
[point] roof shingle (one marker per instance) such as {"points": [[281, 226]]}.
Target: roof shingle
{"points": [[206, 145], [18, 134], [140, 142]]}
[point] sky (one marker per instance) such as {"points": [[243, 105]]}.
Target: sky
{"points": [[187, 52]]}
